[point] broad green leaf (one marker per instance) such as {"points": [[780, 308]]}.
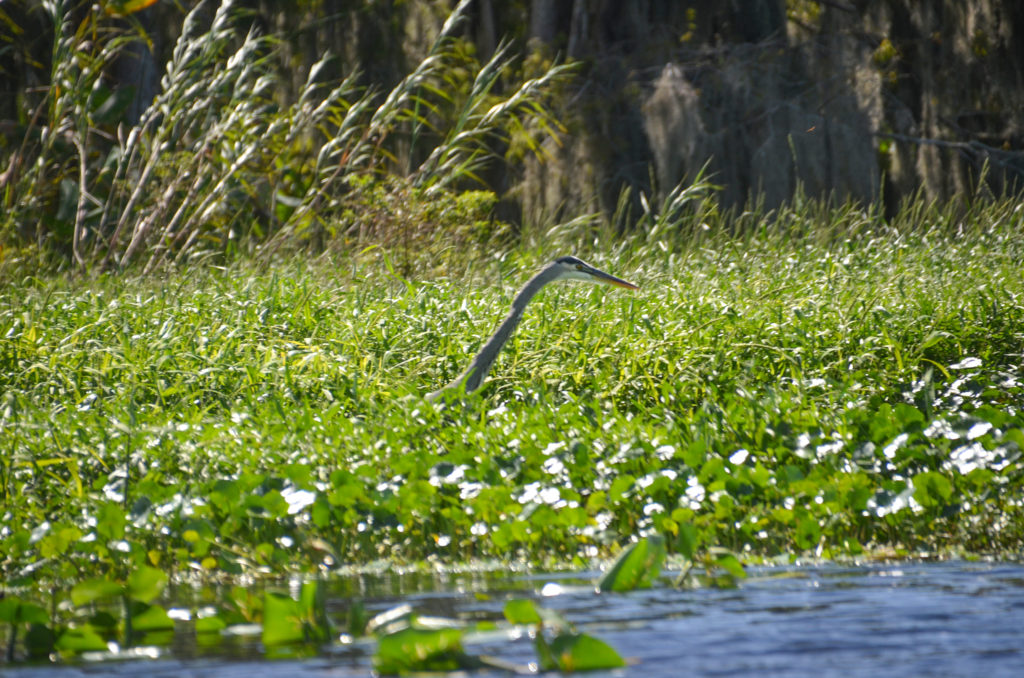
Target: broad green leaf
{"points": [[146, 583], [686, 542], [110, 521], [9, 606], [94, 589], [102, 621], [577, 652], [808, 532], [636, 567], [729, 562], [247, 602], [414, 649], [282, 620], [57, 543], [525, 611], [545, 657], [931, 489], [320, 512], [211, 624], [522, 611], [150, 618], [39, 641], [80, 639], [29, 613], [908, 416], [996, 416], [597, 501], [309, 598], [311, 607], [620, 486], [695, 453]]}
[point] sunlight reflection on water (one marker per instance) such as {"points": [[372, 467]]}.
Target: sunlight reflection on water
{"points": [[906, 619]]}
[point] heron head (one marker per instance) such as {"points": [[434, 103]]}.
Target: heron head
{"points": [[572, 268]]}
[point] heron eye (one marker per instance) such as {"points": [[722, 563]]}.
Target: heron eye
{"points": [[579, 267]]}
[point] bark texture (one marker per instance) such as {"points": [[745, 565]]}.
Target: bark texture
{"points": [[842, 98]]}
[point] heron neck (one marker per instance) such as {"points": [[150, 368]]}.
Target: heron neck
{"points": [[532, 286]]}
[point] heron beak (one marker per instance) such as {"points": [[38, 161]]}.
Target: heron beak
{"points": [[608, 279]]}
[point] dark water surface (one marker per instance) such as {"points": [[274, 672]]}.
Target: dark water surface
{"points": [[908, 619]]}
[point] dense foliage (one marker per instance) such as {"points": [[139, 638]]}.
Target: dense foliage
{"points": [[777, 393], [817, 380], [216, 165]]}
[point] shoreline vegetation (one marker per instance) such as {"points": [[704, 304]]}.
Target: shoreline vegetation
{"points": [[764, 398], [216, 332], [776, 392]]}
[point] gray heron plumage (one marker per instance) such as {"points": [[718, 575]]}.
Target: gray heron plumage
{"points": [[563, 268]]}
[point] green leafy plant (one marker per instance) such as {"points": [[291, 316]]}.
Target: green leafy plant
{"points": [[18, 614], [137, 592], [844, 386], [638, 566], [415, 649], [287, 620], [566, 649]]}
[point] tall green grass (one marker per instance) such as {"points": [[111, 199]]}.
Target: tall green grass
{"points": [[828, 385]]}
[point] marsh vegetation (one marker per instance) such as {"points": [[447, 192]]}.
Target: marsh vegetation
{"points": [[216, 335]]}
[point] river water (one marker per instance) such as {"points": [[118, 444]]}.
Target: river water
{"points": [[906, 619]]}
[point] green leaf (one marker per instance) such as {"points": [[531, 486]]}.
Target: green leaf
{"points": [[577, 652], [545, 657], [247, 602], [320, 512], [123, 7], [686, 542], [808, 532], [314, 615], [39, 641], [57, 543], [730, 563], [931, 489], [80, 639], [282, 620], [110, 521], [147, 618], [103, 622], [695, 454], [212, 624], [146, 583], [9, 606], [522, 611], [358, 618], [414, 649], [94, 589], [994, 416], [636, 567], [309, 598], [29, 613], [620, 486], [110, 107], [908, 416]]}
